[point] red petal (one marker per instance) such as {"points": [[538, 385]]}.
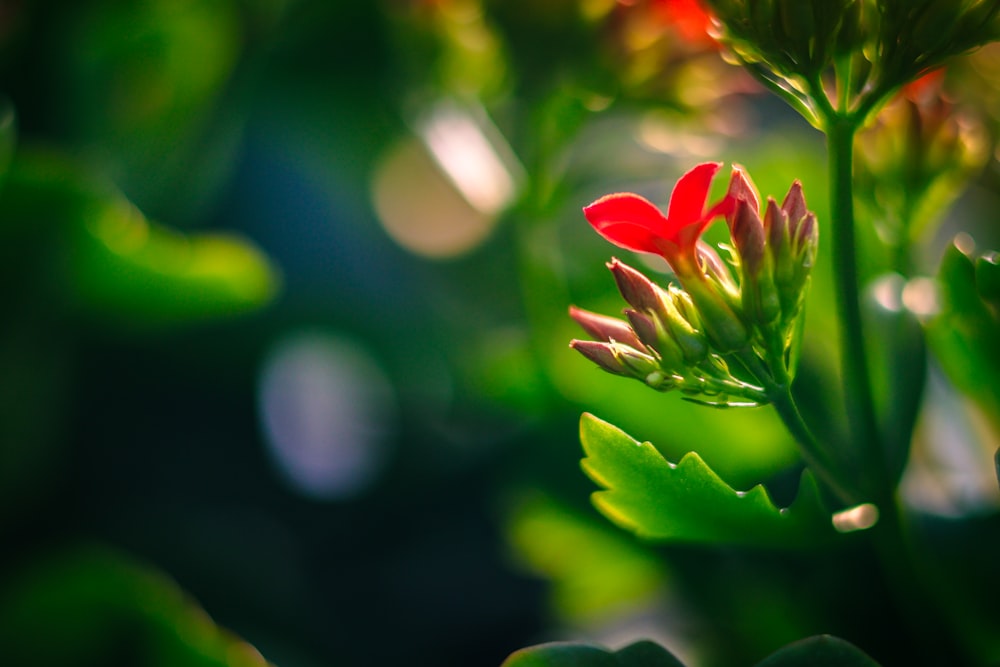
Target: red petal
{"points": [[687, 202], [627, 220]]}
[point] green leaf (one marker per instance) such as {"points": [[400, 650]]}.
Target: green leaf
{"points": [[127, 268], [687, 501], [819, 651], [898, 350], [572, 654], [963, 336], [8, 135], [96, 253], [594, 569], [95, 606]]}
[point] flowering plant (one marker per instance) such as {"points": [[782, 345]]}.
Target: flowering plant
{"points": [[726, 329]]}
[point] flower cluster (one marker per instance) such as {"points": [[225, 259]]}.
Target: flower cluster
{"points": [[726, 320], [915, 158]]}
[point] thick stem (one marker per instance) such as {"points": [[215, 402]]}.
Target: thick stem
{"points": [[858, 398]]}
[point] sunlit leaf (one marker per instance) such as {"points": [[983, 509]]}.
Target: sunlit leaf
{"points": [[573, 654], [91, 606], [820, 651], [93, 250], [687, 501], [124, 266], [594, 569]]}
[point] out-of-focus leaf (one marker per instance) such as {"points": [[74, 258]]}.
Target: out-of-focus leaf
{"points": [[97, 252], [151, 87], [898, 351], [594, 570], [820, 651], [8, 135], [126, 267], [573, 654], [988, 277], [91, 606], [964, 335], [687, 501]]}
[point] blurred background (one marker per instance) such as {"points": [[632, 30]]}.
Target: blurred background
{"points": [[283, 356]]}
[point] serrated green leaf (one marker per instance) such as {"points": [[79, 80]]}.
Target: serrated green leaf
{"points": [[687, 501], [574, 654], [819, 651]]}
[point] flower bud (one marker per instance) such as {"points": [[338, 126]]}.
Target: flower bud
{"points": [[601, 353], [747, 232], [742, 188], [604, 328], [778, 241], [684, 326], [655, 335], [794, 205], [715, 269], [638, 291], [792, 236], [725, 329], [639, 363]]}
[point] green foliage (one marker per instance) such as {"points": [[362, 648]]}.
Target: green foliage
{"points": [[964, 335], [85, 604], [687, 501], [594, 569], [571, 654], [897, 346], [96, 252], [819, 651]]}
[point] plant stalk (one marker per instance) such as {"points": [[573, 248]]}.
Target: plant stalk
{"points": [[858, 397]]}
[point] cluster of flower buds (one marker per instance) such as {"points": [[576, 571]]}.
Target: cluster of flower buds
{"points": [[915, 159], [687, 337], [775, 255], [662, 343]]}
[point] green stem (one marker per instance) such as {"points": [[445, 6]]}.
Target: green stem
{"points": [[812, 451], [858, 397]]}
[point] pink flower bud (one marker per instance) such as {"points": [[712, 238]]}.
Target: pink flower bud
{"points": [[601, 353], [638, 291], [604, 328]]}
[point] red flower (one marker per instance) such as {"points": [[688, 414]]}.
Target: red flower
{"points": [[634, 223], [689, 18]]}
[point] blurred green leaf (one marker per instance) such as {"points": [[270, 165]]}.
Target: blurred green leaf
{"points": [[97, 252], [594, 569], [688, 502], [820, 651], [897, 348], [964, 335], [988, 277], [572, 654], [8, 135], [124, 266], [92, 605]]}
